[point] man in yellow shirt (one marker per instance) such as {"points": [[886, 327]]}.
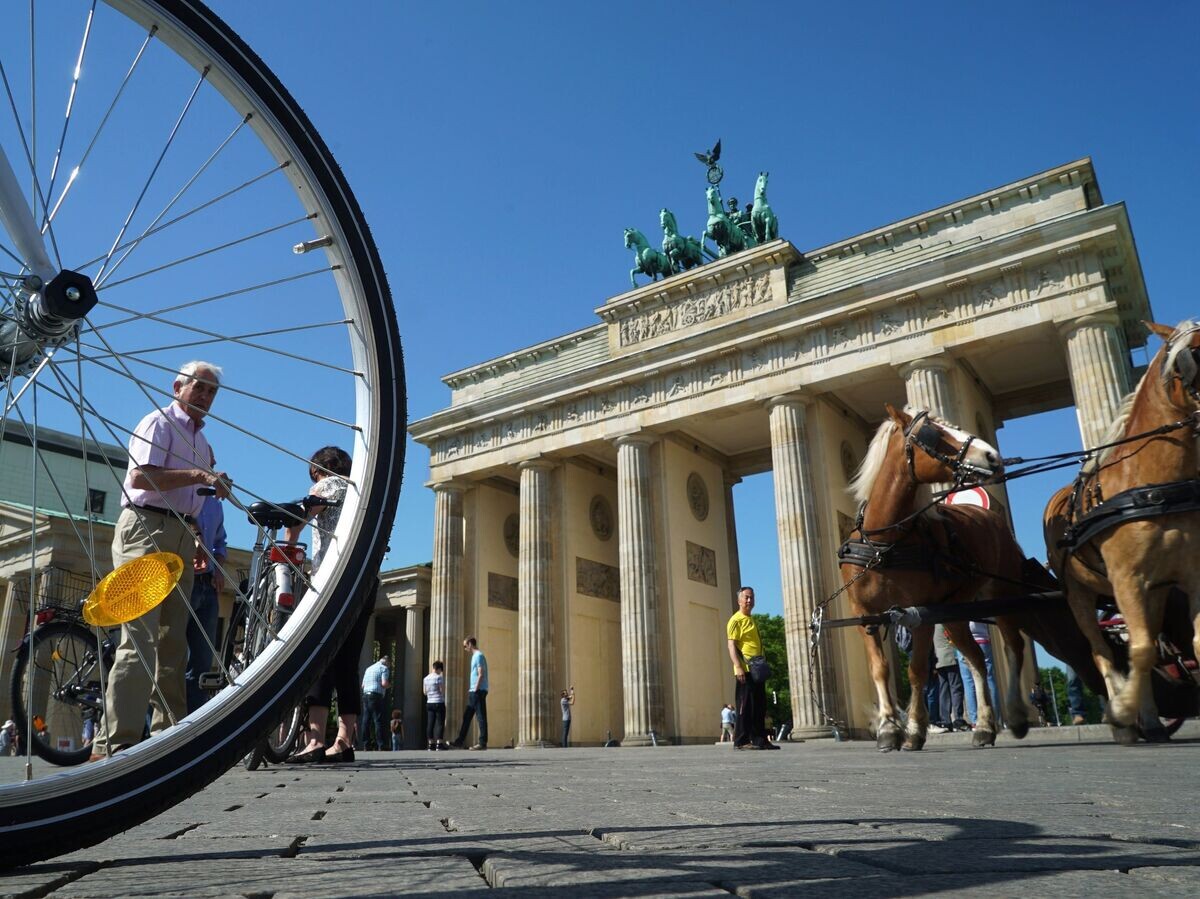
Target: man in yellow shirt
{"points": [[746, 652]]}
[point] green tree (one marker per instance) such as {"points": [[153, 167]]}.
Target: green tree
{"points": [[1054, 682], [779, 691]]}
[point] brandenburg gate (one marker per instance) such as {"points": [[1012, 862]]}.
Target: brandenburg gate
{"points": [[584, 522]]}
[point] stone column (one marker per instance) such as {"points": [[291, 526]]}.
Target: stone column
{"points": [[446, 611], [535, 637], [927, 385], [641, 673], [1099, 370], [800, 557], [735, 568], [415, 669]]}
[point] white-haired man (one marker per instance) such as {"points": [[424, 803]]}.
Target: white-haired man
{"points": [[169, 458]]}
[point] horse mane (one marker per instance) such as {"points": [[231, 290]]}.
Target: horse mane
{"points": [[864, 479], [1117, 429]]}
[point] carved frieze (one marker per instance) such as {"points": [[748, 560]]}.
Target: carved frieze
{"points": [[597, 579], [708, 305], [502, 591], [697, 495], [600, 517], [701, 564]]}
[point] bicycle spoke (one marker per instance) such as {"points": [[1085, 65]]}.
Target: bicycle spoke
{"points": [[37, 191], [232, 338], [102, 282], [100, 128], [241, 291], [154, 171], [133, 245], [62, 138]]}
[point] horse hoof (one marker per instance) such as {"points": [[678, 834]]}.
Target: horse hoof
{"points": [[1124, 736], [913, 744], [981, 738], [1156, 733], [1019, 730], [889, 740]]}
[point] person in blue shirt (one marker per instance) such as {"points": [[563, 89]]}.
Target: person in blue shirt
{"points": [[206, 588], [476, 697]]}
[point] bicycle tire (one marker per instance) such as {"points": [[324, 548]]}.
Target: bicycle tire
{"points": [[50, 816], [280, 741], [74, 646]]}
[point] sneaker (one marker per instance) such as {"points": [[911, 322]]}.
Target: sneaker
{"points": [[432, 747], [1078, 720], [961, 724], [479, 747], [938, 729], [454, 745]]}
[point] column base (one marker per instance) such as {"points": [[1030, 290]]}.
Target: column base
{"points": [[644, 740], [537, 744], [822, 732]]}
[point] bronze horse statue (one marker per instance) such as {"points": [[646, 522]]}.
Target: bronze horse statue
{"points": [[766, 226], [905, 551], [649, 260], [684, 252], [723, 230], [1129, 528]]}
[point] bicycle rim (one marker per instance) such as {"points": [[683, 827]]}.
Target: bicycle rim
{"points": [[179, 183]]}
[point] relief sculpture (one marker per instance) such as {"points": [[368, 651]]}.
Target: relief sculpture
{"points": [[703, 307], [597, 579]]}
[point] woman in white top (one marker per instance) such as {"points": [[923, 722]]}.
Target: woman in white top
{"points": [[328, 468], [434, 686]]}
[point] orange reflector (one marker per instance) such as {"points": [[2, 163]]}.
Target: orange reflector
{"points": [[133, 589]]}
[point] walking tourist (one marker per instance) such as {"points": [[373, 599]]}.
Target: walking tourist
{"points": [[751, 671], [169, 457], [566, 701], [983, 639], [476, 697], [434, 687], [950, 686], [8, 738], [728, 717], [328, 469], [208, 581], [1075, 704], [377, 680]]}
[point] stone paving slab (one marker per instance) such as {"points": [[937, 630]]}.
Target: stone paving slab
{"points": [[1061, 817]]}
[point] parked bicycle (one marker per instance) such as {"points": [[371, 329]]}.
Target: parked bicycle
{"points": [[66, 662]]}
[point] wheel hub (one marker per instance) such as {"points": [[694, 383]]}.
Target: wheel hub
{"points": [[44, 316]]}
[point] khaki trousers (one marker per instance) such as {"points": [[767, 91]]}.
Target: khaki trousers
{"points": [[158, 638]]}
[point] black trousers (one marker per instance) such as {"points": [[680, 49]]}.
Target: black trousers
{"points": [[435, 721], [950, 694], [750, 700], [373, 720], [476, 706], [342, 674]]}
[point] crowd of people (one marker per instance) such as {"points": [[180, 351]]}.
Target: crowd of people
{"points": [[162, 656]]}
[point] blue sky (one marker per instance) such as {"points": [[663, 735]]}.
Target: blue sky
{"points": [[499, 150]]}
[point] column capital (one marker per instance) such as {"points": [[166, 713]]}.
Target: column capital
{"points": [[537, 463], [637, 438], [1092, 319], [790, 399], [941, 362], [448, 486]]}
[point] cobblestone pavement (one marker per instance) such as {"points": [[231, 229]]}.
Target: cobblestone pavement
{"points": [[1065, 813]]}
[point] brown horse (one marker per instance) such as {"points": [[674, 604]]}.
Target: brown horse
{"points": [[929, 554], [1138, 562]]}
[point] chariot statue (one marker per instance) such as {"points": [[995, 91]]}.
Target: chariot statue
{"points": [[649, 261], [723, 230], [684, 251]]}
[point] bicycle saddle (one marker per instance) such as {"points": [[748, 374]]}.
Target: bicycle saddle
{"points": [[273, 516]]}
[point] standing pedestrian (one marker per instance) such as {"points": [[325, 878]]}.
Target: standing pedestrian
{"points": [[566, 701], [1076, 707], [476, 697], [375, 683], [950, 686], [750, 669], [728, 718], [328, 470], [8, 738], [169, 457], [397, 728], [434, 687], [208, 581]]}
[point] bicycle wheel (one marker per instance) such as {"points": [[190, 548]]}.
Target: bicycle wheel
{"points": [[281, 738], [63, 667], [178, 182]]}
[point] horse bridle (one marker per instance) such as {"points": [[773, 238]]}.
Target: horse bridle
{"points": [[1187, 365], [925, 435]]}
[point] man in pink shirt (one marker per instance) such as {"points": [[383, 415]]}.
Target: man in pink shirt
{"points": [[169, 458]]}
